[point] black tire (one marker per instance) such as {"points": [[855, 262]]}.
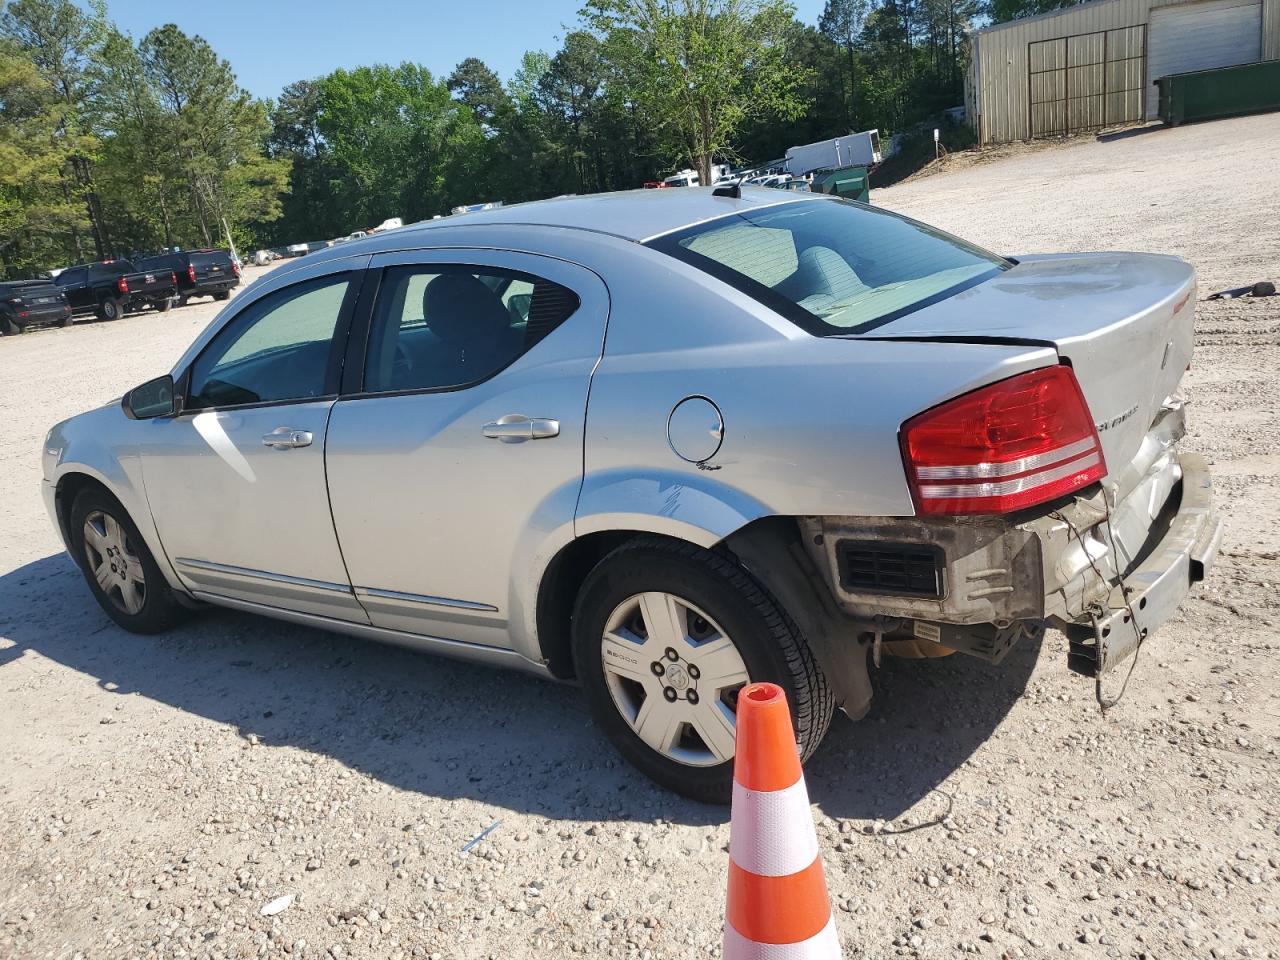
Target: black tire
{"points": [[222, 295], [767, 639], [159, 611], [182, 299], [9, 327], [64, 322], [109, 309], [164, 306]]}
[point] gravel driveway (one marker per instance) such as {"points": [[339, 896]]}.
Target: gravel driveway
{"points": [[156, 794]]}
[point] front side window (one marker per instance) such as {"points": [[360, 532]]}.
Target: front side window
{"points": [[279, 348], [833, 267], [443, 326]]}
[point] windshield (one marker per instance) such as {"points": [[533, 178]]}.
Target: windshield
{"points": [[833, 267]]}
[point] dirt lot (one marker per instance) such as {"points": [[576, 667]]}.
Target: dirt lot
{"points": [[157, 793]]}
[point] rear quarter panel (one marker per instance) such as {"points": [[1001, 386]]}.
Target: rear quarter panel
{"points": [[810, 424]]}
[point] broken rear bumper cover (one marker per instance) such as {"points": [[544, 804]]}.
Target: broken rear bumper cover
{"points": [[979, 584], [1152, 592]]}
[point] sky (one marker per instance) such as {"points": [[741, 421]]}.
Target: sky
{"points": [[271, 43]]}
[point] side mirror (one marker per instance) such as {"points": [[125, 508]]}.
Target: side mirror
{"points": [[155, 398]]}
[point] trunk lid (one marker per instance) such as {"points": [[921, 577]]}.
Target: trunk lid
{"points": [[1124, 322]]}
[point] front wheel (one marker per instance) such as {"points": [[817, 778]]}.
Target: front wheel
{"points": [[120, 570], [665, 635]]}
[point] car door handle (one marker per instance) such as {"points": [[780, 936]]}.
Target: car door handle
{"points": [[285, 438], [514, 428]]}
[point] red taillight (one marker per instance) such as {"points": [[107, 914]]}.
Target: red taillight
{"points": [[173, 278], [235, 268], [191, 272], [122, 285], [1007, 446]]}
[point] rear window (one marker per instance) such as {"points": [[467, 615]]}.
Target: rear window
{"points": [[163, 262], [219, 258], [833, 267]]}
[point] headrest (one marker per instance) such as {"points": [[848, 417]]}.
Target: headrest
{"points": [[826, 273], [458, 306]]}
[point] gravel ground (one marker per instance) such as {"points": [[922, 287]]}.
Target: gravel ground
{"points": [[158, 793]]}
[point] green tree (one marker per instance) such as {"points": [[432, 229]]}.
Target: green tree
{"points": [[59, 39], [698, 70], [37, 217], [214, 129], [474, 84], [1001, 11], [523, 86], [841, 23]]}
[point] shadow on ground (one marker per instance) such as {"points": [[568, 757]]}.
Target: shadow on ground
{"points": [[458, 730], [1129, 133]]}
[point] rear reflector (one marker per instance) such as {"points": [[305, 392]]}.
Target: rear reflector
{"points": [[1004, 447]]}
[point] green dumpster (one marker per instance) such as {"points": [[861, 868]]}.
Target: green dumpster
{"points": [[1227, 92], [849, 182]]}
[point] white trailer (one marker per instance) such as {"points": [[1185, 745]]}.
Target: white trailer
{"points": [[854, 149]]}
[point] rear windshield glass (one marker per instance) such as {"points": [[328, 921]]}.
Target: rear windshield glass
{"points": [[833, 267], [218, 258]]}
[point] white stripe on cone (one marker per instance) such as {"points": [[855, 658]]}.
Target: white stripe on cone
{"points": [[771, 833], [824, 946]]}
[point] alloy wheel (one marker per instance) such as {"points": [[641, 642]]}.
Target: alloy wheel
{"points": [[674, 676], [115, 563]]}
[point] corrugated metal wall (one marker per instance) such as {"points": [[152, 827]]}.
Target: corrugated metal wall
{"points": [[1271, 29], [1005, 90]]}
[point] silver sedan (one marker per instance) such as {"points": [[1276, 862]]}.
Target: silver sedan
{"points": [[664, 443]]}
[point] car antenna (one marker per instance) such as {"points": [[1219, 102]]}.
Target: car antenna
{"points": [[731, 190]]}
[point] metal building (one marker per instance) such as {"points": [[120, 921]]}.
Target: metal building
{"points": [[1095, 64]]}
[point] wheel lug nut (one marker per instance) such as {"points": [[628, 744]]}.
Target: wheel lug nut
{"points": [[670, 694], [672, 655], [692, 696], [693, 672], [657, 668]]}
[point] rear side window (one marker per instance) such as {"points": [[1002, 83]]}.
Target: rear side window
{"points": [[444, 326], [164, 262], [833, 267]]}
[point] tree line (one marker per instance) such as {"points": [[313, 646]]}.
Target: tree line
{"points": [[111, 145]]}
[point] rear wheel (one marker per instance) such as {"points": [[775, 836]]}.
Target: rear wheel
{"points": [[64, 322], [164, 306], [664, 636], [109, 309], [9, 327], [222, 295], [120, 570]]}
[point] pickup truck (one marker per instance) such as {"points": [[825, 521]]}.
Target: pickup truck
{"points": [[111, 288], [26, 303]]}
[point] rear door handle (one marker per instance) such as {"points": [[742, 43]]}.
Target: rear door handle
{"points": [[514, 428], [286, 438]]}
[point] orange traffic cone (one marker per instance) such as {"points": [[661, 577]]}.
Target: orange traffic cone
{"points": [[778, 904]]}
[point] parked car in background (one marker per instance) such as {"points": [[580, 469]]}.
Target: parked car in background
{"points": [[30, 303], [200, 273], [873, 437], [110, 288]]}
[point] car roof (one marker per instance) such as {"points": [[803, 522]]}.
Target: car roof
{"points": [[632, 215]]}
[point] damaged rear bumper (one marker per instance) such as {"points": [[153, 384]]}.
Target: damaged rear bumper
{"points": [[979, 584], [1113, 629]]}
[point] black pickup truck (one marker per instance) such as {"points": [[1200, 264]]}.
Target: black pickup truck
{"points": [[29, 303], [200, 273], [111, 288]]}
